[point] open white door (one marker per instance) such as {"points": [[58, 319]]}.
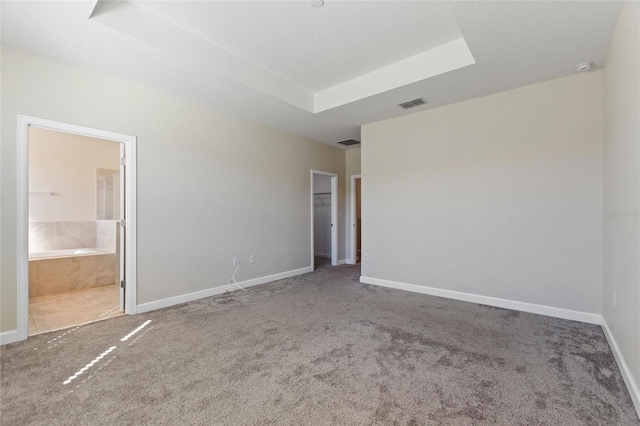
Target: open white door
{"points": [[334, 220], [121, 228]]}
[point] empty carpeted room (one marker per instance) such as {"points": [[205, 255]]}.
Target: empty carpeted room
{"points": [[322, 212]]}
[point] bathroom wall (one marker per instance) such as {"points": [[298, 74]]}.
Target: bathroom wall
{"points": [[64, 170], [46, 236], [66, 164]]}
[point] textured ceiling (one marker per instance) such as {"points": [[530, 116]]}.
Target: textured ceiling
{"points": [[268, 61], [316, 48]]}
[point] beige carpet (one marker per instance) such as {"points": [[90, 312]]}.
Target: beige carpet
{"points": [[317, 350]]}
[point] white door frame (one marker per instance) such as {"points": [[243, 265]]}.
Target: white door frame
{"points": [[354, 246], [334, 216], [24, 122]]}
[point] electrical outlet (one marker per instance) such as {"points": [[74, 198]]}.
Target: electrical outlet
{"points": [[236, 261], [252, 258], [365, 256], [614, 298]]}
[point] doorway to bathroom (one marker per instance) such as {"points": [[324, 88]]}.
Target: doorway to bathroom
{"points": [[76, 226]]}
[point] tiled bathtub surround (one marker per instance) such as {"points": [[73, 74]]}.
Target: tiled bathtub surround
{"points": [[46, 236], [52, 276]]}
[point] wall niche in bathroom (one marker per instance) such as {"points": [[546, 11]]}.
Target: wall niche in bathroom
{"points": [[107, 194]]}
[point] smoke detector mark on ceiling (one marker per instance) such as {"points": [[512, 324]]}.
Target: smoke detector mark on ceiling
{"points": [[413, 103], [349, 142], [585, 66]]}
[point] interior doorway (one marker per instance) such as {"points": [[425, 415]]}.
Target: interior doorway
{"points": [[324, 217], [76, 225], [356, 219]]}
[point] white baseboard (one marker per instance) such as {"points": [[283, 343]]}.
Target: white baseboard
{"points": [[632, 386], [183, 298], [488, 300], [7, 337], [342, 262]]}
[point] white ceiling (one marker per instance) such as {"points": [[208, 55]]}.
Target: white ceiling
{"points": [[318, 72], [315, 48]]}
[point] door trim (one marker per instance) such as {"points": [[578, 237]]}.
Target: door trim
{"points": [[334, 216], [24, 122], [354, 243]]}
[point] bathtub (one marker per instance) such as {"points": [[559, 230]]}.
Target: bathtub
{"points": [[57, 254], [59, 271]]}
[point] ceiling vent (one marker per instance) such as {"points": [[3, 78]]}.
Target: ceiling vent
{"points": [[349, 142], [413, 103]]}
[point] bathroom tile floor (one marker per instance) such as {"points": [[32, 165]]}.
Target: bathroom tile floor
{"points": [[57, 311]]}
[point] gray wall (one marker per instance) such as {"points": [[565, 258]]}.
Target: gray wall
{"points": [[622, 187], [210, 186], [498, 196]]}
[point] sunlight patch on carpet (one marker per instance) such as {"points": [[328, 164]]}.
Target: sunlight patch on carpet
{"points": [[88, 366], [128, 336]]}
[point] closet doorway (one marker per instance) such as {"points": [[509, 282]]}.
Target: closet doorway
{"points": [[324, 216]]}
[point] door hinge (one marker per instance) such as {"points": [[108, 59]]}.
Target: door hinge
{"points": [[123, 284], [123, 161], [123, 222]]}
